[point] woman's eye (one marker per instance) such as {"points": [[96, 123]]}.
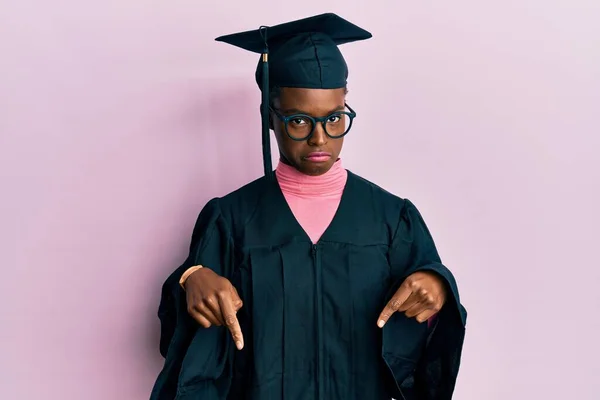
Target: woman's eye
{"points": [[333, 119], [298, 121]]}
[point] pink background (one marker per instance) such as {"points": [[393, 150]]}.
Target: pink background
{"points": [[119, 119]]}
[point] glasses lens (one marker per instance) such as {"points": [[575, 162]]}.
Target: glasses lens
{"points": [[338, 124], [299, 127]]}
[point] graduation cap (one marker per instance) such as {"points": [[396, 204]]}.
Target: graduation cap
{"points": [[299, 54]]}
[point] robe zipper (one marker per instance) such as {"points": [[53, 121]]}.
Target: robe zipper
{"points": [[319, 305]]}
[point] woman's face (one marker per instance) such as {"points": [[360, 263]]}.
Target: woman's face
{"points": [[315, 155]]}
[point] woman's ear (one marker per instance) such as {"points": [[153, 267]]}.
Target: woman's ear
{"points": [[270, 118]]}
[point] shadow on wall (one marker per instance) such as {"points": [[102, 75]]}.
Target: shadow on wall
{"points": [[217, 130]]}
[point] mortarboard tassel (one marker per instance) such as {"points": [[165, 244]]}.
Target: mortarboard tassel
{"points": [[266, 142]]}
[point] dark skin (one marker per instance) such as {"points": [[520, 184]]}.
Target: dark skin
{"points": [[213, 300], [316, 103]]}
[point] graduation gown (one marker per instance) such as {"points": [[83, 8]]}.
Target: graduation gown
{"points": [[310, 310]]}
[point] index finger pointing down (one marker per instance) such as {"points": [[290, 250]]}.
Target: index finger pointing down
{"points": [[401, 295], [231, 321]]}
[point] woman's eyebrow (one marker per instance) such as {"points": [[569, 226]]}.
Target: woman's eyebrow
{"points": [[298, 111]]}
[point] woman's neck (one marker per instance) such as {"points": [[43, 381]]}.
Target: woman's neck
{"points": [[294, 182]]}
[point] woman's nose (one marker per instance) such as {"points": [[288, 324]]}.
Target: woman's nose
{"points": [[319, 137]]}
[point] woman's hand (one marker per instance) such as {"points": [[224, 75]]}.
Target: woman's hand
{"points": [[421, 295], [213, 300]]}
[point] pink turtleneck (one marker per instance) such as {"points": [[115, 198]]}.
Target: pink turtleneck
{"points": [[313, 200]]}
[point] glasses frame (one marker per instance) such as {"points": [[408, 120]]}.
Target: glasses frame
{"points": [[323, 120]]}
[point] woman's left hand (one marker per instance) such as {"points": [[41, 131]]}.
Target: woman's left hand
{"points": [[421, 295]]}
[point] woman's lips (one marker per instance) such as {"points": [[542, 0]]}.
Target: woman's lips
{"points": [[318, 156]]}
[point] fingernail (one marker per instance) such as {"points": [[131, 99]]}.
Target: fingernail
{"points": [[381, 323], [239, 345]]}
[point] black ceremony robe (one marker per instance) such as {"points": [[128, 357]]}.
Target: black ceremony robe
{"points": [[310, 311]]}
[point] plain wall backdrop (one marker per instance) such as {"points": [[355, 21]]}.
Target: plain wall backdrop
{"points": [[120, 119]]}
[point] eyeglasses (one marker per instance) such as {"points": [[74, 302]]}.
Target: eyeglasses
{"points": [[301, 127]]}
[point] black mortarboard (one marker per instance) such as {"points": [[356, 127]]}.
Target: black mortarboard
{"points": [[302, 54]]}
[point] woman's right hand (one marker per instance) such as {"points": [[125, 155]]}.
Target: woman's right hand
{"points": [[213, 300]]}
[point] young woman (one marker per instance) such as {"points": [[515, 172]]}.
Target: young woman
{"points": [[310, 282]]}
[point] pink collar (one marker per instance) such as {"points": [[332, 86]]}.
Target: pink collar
{"points": [[291, 181]]}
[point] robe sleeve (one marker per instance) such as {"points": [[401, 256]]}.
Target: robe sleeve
{"points": [[207, 366], [434, 371]]}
